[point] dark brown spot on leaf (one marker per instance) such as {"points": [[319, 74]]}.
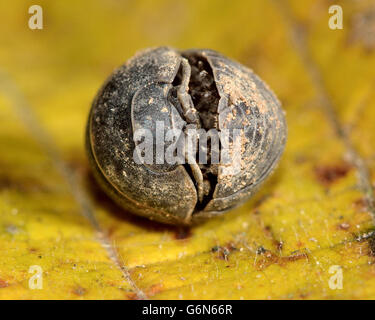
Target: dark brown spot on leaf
{"points": [[183, 233], [328, 174], [268, 258]]}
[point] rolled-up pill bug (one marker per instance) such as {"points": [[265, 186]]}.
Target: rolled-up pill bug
{"points": [[163, 89]]}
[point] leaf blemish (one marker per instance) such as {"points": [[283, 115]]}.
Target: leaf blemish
{"points": [[328, 174], [223, 252], [183, 233], [267, 258]]}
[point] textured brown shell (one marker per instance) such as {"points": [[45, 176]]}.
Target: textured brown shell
{"points": [[168, 194]]}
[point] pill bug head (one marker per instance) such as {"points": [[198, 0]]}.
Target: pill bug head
{"points": [[163, 91]]}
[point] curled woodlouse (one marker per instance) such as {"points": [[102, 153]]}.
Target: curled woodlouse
{"points": [[164, 90]]}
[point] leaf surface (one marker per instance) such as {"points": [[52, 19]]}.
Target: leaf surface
{"points": [[316, 212]]}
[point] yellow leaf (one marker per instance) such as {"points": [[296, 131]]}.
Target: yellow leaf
{"points": [[312, 219]]}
